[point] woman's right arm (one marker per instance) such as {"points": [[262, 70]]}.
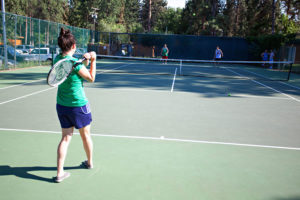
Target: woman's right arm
{"points": [[90, 76]]}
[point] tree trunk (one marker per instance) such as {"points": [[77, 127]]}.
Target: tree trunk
{"points": [[122, 11], [149, 17], [273, 16]]}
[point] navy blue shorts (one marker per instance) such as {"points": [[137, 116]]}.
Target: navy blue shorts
{"points": [[74, 116]]}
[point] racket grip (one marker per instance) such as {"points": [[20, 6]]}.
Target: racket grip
{"points": [[81, 60]]}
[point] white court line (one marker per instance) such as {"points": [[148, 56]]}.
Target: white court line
{"points": [[174, 80], [102, 72], [22, 97], [50, 88], [160, 138], [22, 84], [295, 87], [264, 85], [259, 97]]}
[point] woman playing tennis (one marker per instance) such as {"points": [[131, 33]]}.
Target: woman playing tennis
{"points": [[72, 106]]}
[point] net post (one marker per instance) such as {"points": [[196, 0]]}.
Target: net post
{"points": [[290, 70]]}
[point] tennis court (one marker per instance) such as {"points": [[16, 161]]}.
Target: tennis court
{"points": [[157, 135]]}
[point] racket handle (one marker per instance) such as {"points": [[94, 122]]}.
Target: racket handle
{"points": [[81, 60]]}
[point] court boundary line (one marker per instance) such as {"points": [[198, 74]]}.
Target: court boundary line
{"points": [[11, 86], [292, 86], [27, 95], [174, 78], [161, 138], [20, 84], [40, 91], [260, 97], [259, 83], [108, 70], [225, 95]]}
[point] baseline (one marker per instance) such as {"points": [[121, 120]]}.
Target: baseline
{"points": [[161, 138]]}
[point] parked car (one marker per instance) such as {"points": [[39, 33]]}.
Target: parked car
{"points": [[11, 53], [25, 48], [43, 54]]}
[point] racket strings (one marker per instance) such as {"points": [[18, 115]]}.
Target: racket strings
{"points": [[60, 72]]}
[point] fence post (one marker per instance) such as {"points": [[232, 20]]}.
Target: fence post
{"points": [[15, 41], [4, 34], [109, 44], [39, 42]]}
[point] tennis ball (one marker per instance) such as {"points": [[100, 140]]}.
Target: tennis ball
{"points": [[194, 14]]}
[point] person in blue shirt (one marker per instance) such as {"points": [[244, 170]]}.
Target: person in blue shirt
{"points": [[271, 59], [218, 54], [265, 57]]}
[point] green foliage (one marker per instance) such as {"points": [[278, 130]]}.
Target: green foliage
{"points": [[272, 41], [169, 22], [105, 26], [199, 17], [288, 26], [53, 10], [158, 7]]}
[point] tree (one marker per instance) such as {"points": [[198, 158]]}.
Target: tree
{"points": [[132, 16], [170, 22], [150, 17], [199, 17], [291, 8]]}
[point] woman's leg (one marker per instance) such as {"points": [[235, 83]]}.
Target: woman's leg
{"points": [[87, 143], [62, 149]]}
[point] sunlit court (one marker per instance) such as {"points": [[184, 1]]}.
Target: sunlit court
{"points": [[148, 110]]}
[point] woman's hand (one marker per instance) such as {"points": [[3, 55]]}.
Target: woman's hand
{"points": [[90, 55], [93, 55], [89, 75]]}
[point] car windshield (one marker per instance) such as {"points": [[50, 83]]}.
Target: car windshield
{"points": [[39, 51]]}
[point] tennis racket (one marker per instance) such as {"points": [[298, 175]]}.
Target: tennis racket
{"points": [[61, 70]]}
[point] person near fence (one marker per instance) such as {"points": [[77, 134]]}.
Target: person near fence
{"points": [[271, 58], [165, 53], [265, 56], [153, 51], [218, 54], [129, 49]]}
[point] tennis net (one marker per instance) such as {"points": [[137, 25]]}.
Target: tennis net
{"points": [[277, 70]]}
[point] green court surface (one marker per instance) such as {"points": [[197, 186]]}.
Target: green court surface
{"points": [[155, 137]]}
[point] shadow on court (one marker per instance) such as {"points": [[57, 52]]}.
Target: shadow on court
{"points": [[24, 172]]}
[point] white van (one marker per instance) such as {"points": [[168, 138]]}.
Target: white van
{"points": [[24, 48], [42, 54]]}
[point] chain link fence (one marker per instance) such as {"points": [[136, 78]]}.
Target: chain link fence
{"points": [[32, 42]]}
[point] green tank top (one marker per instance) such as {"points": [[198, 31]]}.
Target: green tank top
{"points": [[165, 52], [70, 92]]}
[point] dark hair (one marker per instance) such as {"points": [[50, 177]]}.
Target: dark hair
{"points": [[65, 40]]}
